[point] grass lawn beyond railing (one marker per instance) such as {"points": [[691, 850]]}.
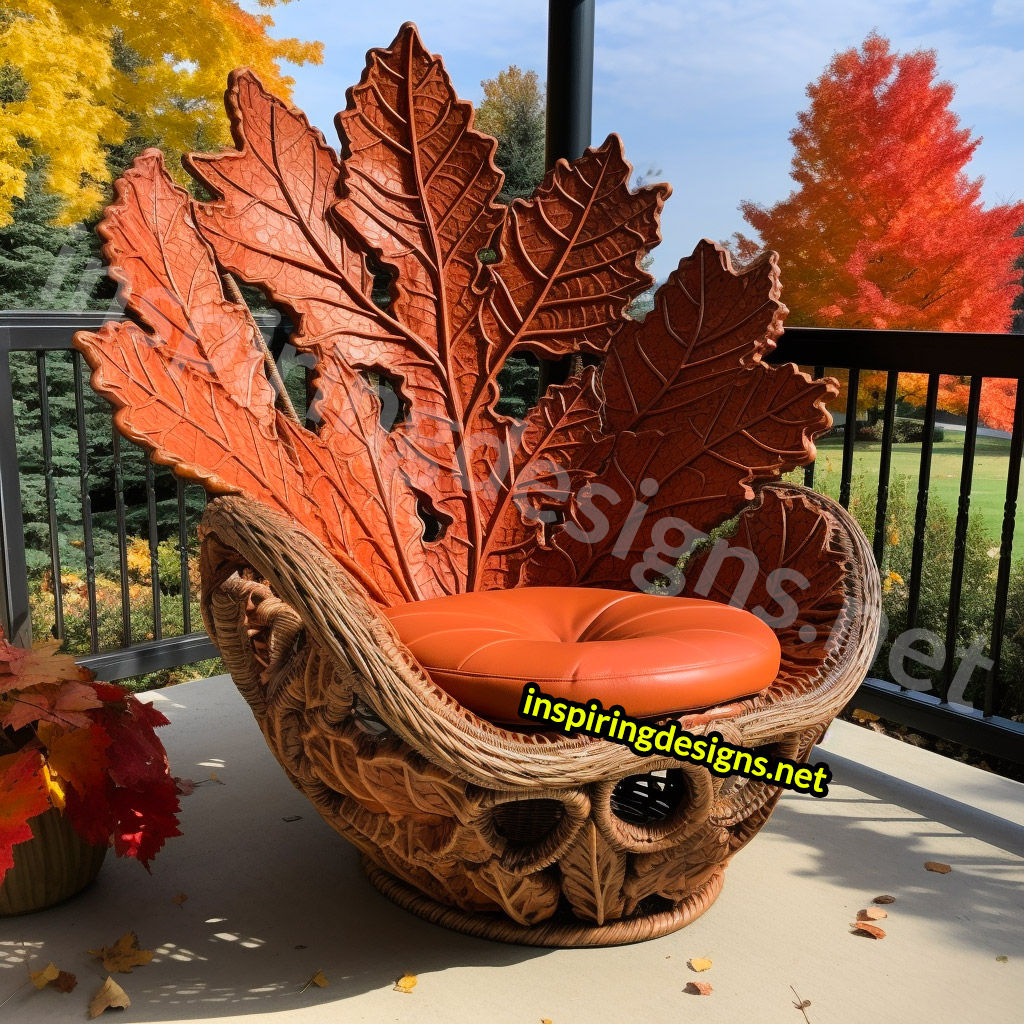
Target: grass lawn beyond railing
{"points": [[988, 490]]}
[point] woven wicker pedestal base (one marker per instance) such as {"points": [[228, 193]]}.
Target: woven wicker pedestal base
{"points": [[551, 933]]}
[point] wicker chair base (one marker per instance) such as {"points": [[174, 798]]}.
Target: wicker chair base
{"points": [[541, 840], [638, 928]]}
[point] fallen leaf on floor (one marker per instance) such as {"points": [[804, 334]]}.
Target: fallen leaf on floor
{"points": [[698, 988], [699, 964], [65, 981], [938, 866], [406, 983], [1002, 959], [859, 715], [293, 817], [180, 898], [319, 979], [124, 955], [801, 1004], [184, 787], [110, 996], [884, 899], [871, 914], [43, 978], [868, 929]]}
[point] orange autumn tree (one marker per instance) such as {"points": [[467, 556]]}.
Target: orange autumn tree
{"points": [[885, 229]]}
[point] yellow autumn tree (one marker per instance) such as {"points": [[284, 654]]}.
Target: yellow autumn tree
{"points": [[79, 77]]}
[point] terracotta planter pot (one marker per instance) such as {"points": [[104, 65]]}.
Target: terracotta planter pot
{"points": [[50, 867]]}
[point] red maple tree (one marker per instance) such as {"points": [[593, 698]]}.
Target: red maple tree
{"points": [[885, 229]]}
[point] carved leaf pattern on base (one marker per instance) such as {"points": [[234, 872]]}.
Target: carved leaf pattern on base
{"points": [[593, 873]]}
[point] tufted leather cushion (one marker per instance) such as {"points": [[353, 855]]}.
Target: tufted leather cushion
{"points": [[652, 655]]}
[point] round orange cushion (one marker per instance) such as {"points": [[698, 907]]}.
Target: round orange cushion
{"points": [[651, 655]]}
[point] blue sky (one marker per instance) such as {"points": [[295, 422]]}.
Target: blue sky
{"points": [[706, 91]]}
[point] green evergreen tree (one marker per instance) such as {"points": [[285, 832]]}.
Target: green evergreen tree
{"points": [[513, 111], [45, 266]]}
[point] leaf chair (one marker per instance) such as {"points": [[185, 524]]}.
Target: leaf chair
{"points": [[401, 484]]}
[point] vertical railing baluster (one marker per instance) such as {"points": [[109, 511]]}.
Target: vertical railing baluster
{"points": [[154, 553], [921, 514], [960, 535], [849, 436], [186, 594], [892, 379], [51, 498], [86, 500], [992, 696], [819, 372], [122, 538], [15, 614]]}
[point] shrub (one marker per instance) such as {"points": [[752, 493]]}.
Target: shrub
{"points": [[1011, 669], [912, 431], [109, 616], [977, 593]]}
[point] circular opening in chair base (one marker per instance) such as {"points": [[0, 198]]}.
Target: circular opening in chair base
{"points": [[523, 822], [649, 799]]}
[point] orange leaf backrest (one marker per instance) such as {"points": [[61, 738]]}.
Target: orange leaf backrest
{"points": [[679, 415]]}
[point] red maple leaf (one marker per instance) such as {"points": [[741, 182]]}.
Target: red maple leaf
{"points": [[11, 659], [136, 755], [145, 819], [59, 702], [110, 693], [23, 795], [80, 757], [92, 816]]}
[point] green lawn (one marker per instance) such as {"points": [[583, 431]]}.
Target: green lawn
{"points": [[988, 491]]}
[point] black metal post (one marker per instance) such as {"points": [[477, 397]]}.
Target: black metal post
{"points": [[14, 608], [570, 95], [570, 87]]}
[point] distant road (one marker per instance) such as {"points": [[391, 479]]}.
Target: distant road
{"points": [[982, 431], [838, 419]]}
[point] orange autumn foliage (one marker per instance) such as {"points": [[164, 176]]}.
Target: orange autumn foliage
{"points": [[885, 229], [84, 747]]}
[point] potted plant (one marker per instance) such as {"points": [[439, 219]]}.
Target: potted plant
{"points": [[81, 769]]}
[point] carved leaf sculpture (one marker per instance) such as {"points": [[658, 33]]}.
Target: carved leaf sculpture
{"points": [[781, 564], [695, 419], [593, 874], [451, 495]]}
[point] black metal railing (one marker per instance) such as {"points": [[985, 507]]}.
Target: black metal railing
{"points": [[974, 357], [112, 641], [160, 506]]}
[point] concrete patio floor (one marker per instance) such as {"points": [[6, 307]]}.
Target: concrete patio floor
{"points": [[274, 896]]}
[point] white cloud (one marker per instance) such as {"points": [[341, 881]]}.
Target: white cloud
{"points": [[1008, 10]]}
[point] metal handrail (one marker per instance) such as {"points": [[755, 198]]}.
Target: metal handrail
{"points": [[855, 350]]}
